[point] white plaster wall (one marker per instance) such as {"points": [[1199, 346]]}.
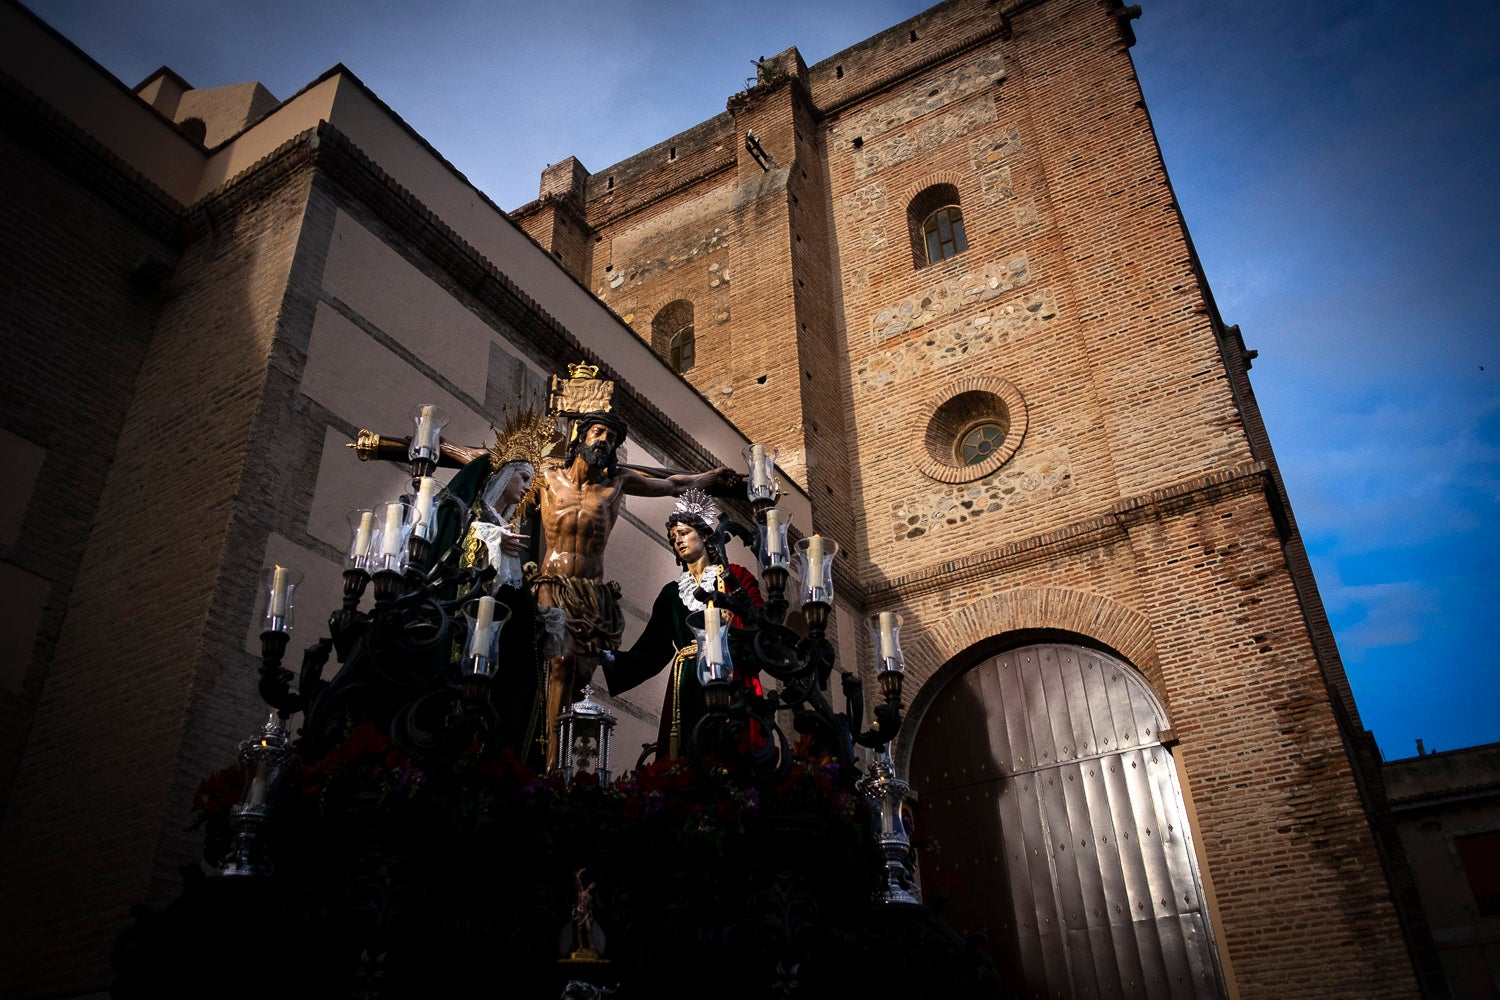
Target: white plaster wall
{"points": [[295, 116], [376, 282]]}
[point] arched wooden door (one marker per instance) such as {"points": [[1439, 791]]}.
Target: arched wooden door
{"points": [[1061, 829]]}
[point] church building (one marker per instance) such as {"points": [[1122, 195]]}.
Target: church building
{"points": [[942, 271]]}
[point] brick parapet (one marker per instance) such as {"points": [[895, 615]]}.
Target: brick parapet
{"points": [[705, 150], [944, 33]]}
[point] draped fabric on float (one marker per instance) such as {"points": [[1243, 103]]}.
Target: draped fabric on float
{"points": [[1062, 831]]}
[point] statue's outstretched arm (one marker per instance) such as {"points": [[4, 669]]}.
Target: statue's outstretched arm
{"points": [[721, 482], [369, 446]]}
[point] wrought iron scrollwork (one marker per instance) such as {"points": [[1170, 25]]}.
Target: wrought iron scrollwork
{"points": [[396, 665], [803, 665]]}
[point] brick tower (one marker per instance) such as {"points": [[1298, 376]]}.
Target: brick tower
{"points": [[943, 270]]}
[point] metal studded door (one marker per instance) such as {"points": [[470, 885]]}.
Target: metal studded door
{"points": [[1061, 829]]}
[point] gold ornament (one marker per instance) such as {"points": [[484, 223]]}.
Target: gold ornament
{"points": [[527, 437], [366, 445]]}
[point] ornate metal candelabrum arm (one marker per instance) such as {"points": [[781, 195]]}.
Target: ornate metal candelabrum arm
{"points": [[265, 759], [275, 685], [887, 794]]}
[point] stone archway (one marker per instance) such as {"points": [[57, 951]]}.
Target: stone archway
{"points": [[1063, 833]]}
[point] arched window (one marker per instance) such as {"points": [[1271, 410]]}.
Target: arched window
{"points": [[672, 334], [937, 225], [682, 350]]}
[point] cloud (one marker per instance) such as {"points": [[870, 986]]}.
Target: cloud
{"points": [[1400, 471], [1375, 615]]}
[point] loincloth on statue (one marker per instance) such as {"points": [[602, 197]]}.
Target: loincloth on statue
{"points": [[595, 621]]}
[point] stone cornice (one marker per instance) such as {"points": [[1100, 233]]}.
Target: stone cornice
{"points": [[1468, 795], [267, 175], [1189, 494], [1089, 533]]}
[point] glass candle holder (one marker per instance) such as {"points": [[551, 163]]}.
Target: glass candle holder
{"points": [[396, 519], [761, 482], [712, 637], [774, 550], [278, 587], [885, 640], [426, 439], [264, 768], [485, 618], [814, 565], [428, 498], [363, 526]]}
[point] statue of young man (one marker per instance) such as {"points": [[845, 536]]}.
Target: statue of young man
{"points": [[668, 640], [580, 502]]}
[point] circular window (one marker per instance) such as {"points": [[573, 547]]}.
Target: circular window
{"points": [[973, 427], [980, 442]]}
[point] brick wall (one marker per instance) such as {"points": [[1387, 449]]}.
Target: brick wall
{"points": [[82, 243], [103, 769], [1142, 509]]}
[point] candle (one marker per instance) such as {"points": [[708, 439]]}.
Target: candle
{"points": [[390, 539], [363, 533], [887, 636], [479, 642], [279, 593], [815, 561], [773, 532], [757, 465], [425, 491], [713, 649], [424, 426]]}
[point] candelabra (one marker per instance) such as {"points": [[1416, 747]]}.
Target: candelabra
{"points": [[397, 664], [802, 663]]}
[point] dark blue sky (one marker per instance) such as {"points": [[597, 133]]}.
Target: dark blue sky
{"points": [[1335, 160]]}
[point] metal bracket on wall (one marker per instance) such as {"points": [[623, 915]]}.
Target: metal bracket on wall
{"points": [[752, 145]]}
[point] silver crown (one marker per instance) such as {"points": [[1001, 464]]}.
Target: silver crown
{"points": [[698, 504]]}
